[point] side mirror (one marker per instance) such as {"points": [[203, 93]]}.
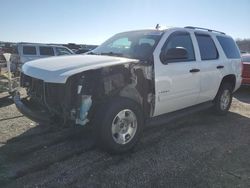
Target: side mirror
{"points": [[174, 54]]}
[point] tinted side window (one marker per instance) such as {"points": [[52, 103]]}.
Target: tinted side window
{"points": [[207, 47], [29, 50], [48, 51], [229, 47], [62, 51], [180, 40]]}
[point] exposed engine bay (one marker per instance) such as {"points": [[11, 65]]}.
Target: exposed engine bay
{"points": [[78, 99]]}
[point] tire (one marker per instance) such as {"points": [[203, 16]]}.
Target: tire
{"points": [[118, 125], [223, 99]]}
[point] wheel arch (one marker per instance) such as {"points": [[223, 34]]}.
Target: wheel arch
{"points": [[231, 79], [129, 81]]}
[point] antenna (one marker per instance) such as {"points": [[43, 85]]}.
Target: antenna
{"points": [[157, 26]]}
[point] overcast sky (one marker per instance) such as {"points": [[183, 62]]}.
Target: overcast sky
{"points": [[93, 21]]}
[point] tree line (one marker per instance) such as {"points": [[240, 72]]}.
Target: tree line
{"points": [[244, 44]]}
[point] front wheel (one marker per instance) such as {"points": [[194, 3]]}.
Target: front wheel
{"points": [[223, 100], [118, 125]]}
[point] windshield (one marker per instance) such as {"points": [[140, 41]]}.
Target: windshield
{"points": [[134, 44]]}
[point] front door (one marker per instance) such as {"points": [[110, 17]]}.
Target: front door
{"points": [[177, 82]]}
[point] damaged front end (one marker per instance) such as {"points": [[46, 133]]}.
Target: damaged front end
{"points": [[78, 99], [47, 102]]}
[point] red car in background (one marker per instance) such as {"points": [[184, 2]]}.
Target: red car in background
{"points": [[246, 69]]}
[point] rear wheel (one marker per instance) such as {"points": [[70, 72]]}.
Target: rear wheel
{"points": [[118, 125], [223, 99]]}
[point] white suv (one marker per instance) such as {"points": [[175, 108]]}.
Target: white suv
{"points": [[132, 79]]}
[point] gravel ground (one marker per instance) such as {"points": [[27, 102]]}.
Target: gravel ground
{"points": [[202, 150]]}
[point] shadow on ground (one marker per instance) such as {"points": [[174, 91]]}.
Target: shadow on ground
{"points": [[243, 94], [6, 101], [201, 150]]}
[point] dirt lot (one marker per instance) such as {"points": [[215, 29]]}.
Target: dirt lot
{"points": [[202, 150]]}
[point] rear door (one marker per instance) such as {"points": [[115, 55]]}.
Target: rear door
{"points": [[211, 66], [177, 83]]}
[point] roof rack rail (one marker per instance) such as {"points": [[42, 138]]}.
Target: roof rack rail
{"points": [[200, 28], [34, 43]]}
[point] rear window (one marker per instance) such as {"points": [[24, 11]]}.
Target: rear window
{"points": [[207, 47], [245, 58], [29, 50], [48, 51], [229, 47]]}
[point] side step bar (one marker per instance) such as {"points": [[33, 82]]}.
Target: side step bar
{"points": [[166, 118]]}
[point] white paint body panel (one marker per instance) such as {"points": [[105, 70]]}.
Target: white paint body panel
{"points": [[59, 69], [176, 88]]}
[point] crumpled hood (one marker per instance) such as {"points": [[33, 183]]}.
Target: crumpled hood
{"points": [[58, 69]]}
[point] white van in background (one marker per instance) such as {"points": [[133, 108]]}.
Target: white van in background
{"points": [[25, 52]]}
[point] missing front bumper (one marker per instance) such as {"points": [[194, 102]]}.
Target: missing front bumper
{"points": [[27, 108]]}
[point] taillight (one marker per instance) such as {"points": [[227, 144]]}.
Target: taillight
{"points": [[242, 69]]}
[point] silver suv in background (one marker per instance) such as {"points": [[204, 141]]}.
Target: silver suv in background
{"points": [[25, 52]]}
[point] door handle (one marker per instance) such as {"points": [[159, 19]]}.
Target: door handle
{"points": [[194, 70], [220, 67]]}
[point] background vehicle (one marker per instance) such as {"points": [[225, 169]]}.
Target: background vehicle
{"points": [[132, 79], [25, 52], [246, 69], [2, 59], [85, 49], [82, 50]]}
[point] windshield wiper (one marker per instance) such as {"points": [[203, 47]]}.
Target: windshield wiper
{"points": [[112, 54]]}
